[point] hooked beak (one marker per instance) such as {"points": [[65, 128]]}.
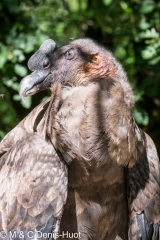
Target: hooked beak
{"points": [[40, 78], [33, 83]]}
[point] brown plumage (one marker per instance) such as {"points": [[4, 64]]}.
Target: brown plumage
{"points": [[86, 125], [34, 178]]}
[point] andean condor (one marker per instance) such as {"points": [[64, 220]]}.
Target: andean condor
{"points": [[78, 164]]}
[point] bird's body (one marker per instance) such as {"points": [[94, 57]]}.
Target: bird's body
{"points": [[93, 177], [113, 168]]}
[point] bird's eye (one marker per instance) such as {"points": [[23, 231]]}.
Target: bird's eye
{"points": [[70, 54], [46, 64]]}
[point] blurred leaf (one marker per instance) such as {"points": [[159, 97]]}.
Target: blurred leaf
{"points": [[150, 33], [20, 70], [120, 52], [15, 86], [149, 52], [141, 117], [73, 5], [147, 6], [144, 24], [154, 60], [107, 2], [138, 94], [27, 102], [8, 82], [125, 6], [19, 55], [16, 97]]}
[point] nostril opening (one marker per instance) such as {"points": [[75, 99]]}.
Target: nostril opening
{"points": [[46, 64]]}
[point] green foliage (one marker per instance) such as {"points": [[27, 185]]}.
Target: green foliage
{"points": [[130, 29], [27, 102]]}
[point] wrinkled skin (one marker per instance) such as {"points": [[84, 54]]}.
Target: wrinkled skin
{"points": [[113, 167]]}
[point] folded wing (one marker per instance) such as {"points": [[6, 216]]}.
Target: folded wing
{"points": [[33, 187], [144, 195]]}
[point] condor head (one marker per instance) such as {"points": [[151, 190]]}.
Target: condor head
{"points": [[40, 64], [74, 63]]}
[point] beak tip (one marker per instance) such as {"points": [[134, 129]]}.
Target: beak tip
{"points": [[22, 95], [29, 82], [23, 99]]}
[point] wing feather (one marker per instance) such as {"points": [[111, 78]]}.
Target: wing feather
{"points": [[34, 184], [144, 195]]}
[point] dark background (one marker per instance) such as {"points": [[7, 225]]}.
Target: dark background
{"points": [[129, 28]]}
